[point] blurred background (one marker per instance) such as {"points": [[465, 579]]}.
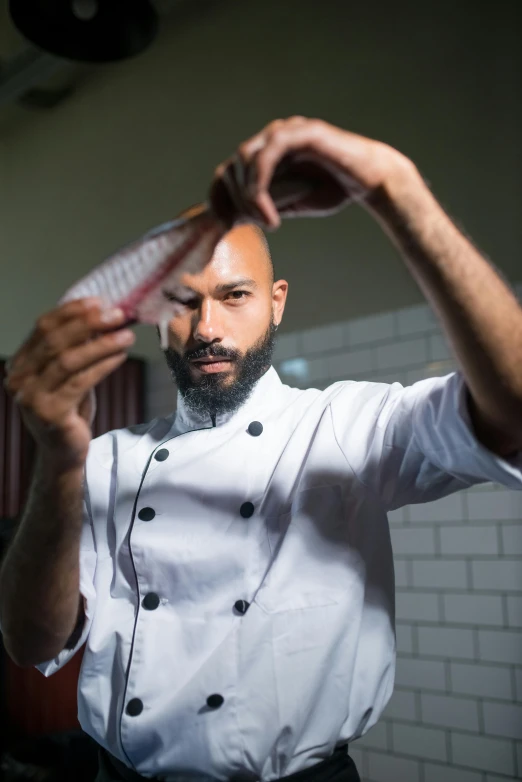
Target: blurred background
{"points": [[92, 155]]}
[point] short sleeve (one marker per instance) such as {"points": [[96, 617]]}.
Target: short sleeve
{"points": [[87, 589], [416, 444]]}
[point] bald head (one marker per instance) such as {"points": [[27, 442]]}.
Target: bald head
{"points": [[245, 238], [265, 249]]}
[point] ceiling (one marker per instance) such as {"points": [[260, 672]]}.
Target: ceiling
{"points": [[11, 42], [34, 79]]}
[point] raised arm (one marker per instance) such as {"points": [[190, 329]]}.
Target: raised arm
{"points": [[479, 313], [52, 377]]}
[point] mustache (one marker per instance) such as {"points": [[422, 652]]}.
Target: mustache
{"points": [[212, 351]]}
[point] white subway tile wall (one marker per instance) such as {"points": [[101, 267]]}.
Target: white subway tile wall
{"points": [[482, 681], [518, 684], [514, 611], [456, 713], [415, 320], [512, 539]]}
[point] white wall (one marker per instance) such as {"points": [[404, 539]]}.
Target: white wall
{"points": [[456, 714]]}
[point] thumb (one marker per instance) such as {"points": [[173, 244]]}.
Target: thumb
{"points": [[87, 408]]}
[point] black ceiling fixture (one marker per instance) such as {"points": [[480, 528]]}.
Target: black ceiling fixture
{"points": [[87, 30]]}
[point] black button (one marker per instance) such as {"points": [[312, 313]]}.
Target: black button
{"points": [[246, 510], [255, 428], [146, 514], [151, 601], [161, 455], [215, 701], [241, 606], [134, 707]]}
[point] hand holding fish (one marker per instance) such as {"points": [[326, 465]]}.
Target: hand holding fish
{"points": [[340, 167], [52, 376]]}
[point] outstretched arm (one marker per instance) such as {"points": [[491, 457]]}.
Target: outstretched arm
{"points": [[479, 313]]}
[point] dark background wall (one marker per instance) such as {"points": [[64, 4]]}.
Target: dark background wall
{"points": [[139, 141]]}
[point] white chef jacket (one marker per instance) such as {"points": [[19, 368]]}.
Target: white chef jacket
{"points": [[257, 568]]}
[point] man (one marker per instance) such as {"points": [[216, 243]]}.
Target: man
{"points": [[231, 571]]}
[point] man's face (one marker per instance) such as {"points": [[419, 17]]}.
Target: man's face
{"points": [[222, 341]]}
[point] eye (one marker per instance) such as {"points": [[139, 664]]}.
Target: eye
{"points": [[238, 295], [183, 298]]}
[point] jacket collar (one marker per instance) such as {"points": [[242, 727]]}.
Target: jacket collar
{"points": [[263, 395]]}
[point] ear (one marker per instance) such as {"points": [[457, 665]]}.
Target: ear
{"points": [[279, 294]]}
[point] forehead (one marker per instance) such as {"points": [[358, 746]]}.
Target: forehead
{"points": [[239, 254]]}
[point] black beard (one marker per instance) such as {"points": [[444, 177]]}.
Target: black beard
{"points": [[208, 395]]}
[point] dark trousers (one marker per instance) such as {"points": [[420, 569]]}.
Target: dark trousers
{"points": [[339, 767]]}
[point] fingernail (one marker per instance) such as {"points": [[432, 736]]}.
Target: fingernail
{"points": [[111, 315], [91, 302], [273, 225], [124, 337]]}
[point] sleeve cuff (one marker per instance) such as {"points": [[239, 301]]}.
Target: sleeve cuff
{"points": [[449, 439], [86, 588]]}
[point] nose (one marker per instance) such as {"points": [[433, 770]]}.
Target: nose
{"points": [[208, 325]]}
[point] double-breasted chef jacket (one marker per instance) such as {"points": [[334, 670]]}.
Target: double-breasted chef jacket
{"points": [[238, 574]]}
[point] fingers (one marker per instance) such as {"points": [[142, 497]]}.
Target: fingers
{"points": [[45, 323], [68, 347], [282, 139], [55, 332], [77, 385], [52, 408], [248, 174], [248, 149], [71, 349], [77, 359], [264, 180], [69, 363]]}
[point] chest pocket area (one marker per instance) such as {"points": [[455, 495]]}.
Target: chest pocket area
{"points": [[313, 562]]}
